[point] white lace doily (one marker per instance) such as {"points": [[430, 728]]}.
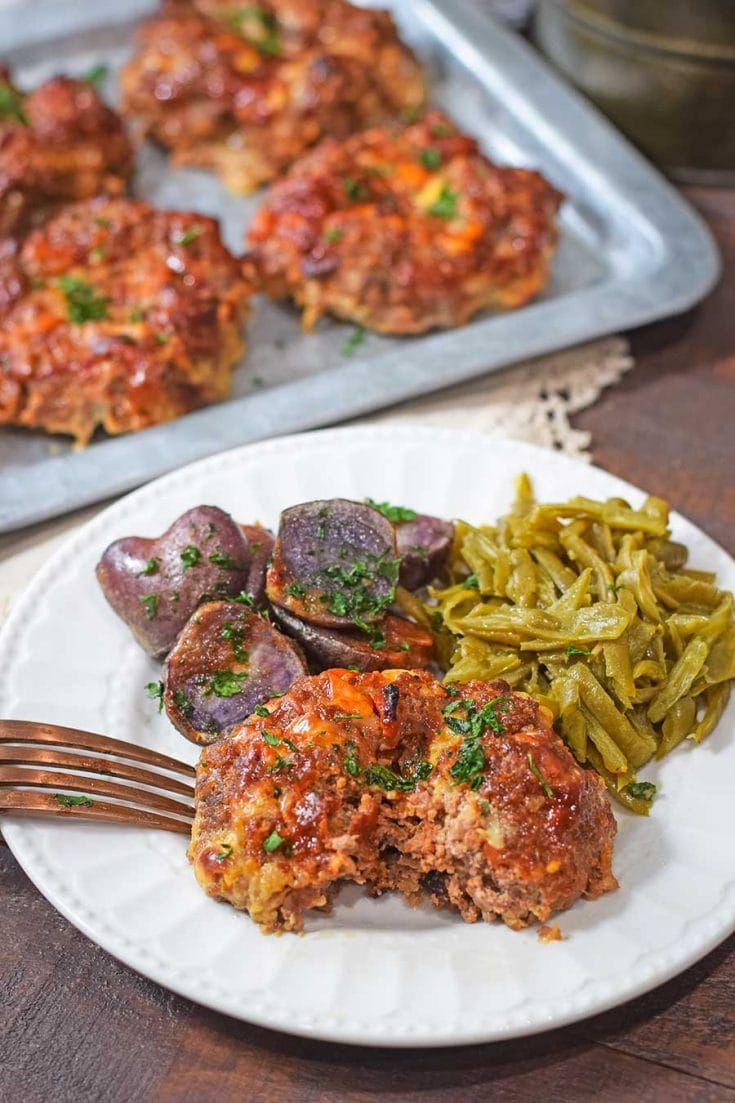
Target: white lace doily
{"points": [[530, 401]]}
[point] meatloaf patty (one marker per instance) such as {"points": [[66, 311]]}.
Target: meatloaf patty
{"points": [[402, 230], [58, 143], [245, 90], [387, 780], [119, 315]]}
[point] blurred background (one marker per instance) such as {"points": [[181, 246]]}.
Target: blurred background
{"points": [[662, 70]]}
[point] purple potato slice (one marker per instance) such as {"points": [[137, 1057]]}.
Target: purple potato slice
{"points": [[261, 542], [334, 563], [155, 585], [423, 544], [226, 662], [405, 645]]}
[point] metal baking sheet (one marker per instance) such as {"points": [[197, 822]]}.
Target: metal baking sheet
{"points": [[631, 251]]}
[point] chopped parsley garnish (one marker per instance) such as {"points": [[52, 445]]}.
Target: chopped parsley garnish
{"points": [[412, 114], [96, 74], [261, 710], [82, 304], [437, 620], [446, 205], [190, 556], [353, 342], [224, 852], [258, 25], [234, 633], [136, 315], [182, 702], [150, 604], [641, 790], [98, 253], [188, 236], [404, 645], [353, 189], [155, 692], [72, 802], [353, 596], [295, 589], [613, 587], [333, 235], [471, 583], [225, 561], [539, 777], [442, 130], [350, 760], [161, 338], [430, 158], [174, 596], [243, 599], [396, 514], [151, 567], [226, 683], [348, 716], [382, 777], [269, 738], [475, 723], [273, 842], [11, 105], [103, 223], [571, 650]]}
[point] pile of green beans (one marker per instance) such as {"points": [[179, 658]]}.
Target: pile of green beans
{"points": [[589, 606]]}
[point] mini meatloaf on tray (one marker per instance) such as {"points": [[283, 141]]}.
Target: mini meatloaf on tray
{"points": [[404, 230], [58, 143], [118, 315], [393, 781], [246, 89]]}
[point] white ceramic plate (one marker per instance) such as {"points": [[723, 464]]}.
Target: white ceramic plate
{"points": [[375, 972]]}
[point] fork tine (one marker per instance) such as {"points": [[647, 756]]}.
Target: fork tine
{"points": [[23, 802], [25, 755], [31, 731], [22, 776]]}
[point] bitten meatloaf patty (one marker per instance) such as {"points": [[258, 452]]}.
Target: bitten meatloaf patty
{"points": [[389, 780], [57, 144], [245, 90], [118, 315], [402, 230]]}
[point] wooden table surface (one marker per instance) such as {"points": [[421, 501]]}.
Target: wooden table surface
{"points": [[77, 1026]]}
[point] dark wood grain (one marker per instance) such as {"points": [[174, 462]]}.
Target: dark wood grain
{"points": [[77, 1026]]}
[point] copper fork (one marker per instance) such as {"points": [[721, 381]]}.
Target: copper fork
{"points": [[29, 787]]}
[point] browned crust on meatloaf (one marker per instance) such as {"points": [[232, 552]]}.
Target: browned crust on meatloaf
{"points": [[246, 90], [58, 143], [287, 809], [163, 330], [402, 230]]}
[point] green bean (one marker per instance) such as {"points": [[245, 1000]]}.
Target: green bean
{"points": [[581, 552], [562, 577], [614, 515], [522, 587], [715, 702], [613, 758], [678, 724], [636, 748], [618, 670], [680, 678]]}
